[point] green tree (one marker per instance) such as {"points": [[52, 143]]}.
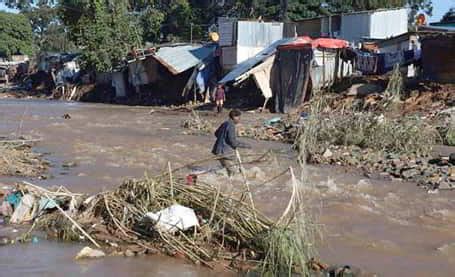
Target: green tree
{"points": [[15, 34], [104, 31], [150, 21]]}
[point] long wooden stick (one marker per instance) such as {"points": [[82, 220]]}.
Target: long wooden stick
{"points": [[291, 201], [242, 170], [171, 181], [74, 222]]}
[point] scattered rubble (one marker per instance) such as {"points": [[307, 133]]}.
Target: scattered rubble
{"points": [[428, 173]]}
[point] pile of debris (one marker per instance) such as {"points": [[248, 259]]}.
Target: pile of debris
{"points": [[169, 215], [282, 129], [197, 125], [17, 158], [394, 147], [430, 173]]}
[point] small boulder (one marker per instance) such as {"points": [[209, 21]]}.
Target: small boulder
{"points": [[129, 253], [410, 173], [452, 158], [327, 154], [89, 253]]}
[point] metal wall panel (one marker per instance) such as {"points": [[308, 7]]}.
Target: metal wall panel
{"points": [[229, 57], [355, 26], [389, 23], [258, 34], [226, 30], [378, 25]]}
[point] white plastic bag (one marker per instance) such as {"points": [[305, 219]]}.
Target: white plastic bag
{"points": [[174, 218]]}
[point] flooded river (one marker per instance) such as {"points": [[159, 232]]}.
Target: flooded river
{"points": [[389, 228]]}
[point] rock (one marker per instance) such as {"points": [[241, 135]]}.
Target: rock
{"points": [[327, 154], [385, 175], [434, 161], [451, 172], [89, 253], [410, 173], [129, 253], [452, 158]]}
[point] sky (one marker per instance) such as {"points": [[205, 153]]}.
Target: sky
{"points": [[440, 8]]}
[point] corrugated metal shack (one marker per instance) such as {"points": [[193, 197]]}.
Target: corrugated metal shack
{"points": [[355, 27], [325, 66], [379, 24], [171, 72], [241, 40], [438, 56]]}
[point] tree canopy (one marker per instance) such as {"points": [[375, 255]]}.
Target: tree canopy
{"points": [[16, 35], [104, 30]]}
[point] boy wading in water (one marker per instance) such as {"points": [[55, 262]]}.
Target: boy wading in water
{"points": [[226, 142]]}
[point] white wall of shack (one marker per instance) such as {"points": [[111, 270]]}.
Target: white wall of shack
{"points": [[389, 23], [324, 69], [258, 34], [379, 24], [246, 52], [247, 37]]}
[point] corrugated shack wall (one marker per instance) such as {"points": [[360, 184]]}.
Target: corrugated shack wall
{"points": [[379, 24], [355, 26], [327, 68], [253, 37], [241, 40], [310, 27], [438, 58], [289, 78], [388, 23], [226, 29]]}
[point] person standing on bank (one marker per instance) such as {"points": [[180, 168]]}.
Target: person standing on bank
{"points": [[220, 98], [226, 142]]}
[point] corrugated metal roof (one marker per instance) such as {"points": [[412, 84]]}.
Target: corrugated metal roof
{"points": [[245, 66], [178, 59]]}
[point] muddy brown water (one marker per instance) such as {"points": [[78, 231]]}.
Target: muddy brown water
{"points": [[389, 228]]}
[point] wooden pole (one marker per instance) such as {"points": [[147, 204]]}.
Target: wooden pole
{"points": [[171, 181], [242, 170]]}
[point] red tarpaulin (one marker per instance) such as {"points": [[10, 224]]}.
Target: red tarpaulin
{"points": [[329, 43], [302, 42]]}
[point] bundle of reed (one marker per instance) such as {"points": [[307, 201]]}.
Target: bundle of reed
{"points": [[231, 231]]}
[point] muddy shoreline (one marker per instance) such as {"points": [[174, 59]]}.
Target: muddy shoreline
{"points": [[386, 227]]}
